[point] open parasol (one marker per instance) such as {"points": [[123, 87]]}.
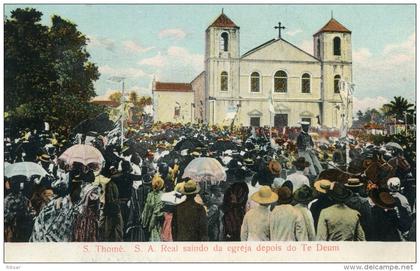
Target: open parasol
{"points": [[27, 169], [205, 169], [84, 154], [393, 145]]}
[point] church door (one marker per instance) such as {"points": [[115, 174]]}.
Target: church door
{"points": [[280, 120]]}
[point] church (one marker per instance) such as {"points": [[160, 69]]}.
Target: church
{"points": [[276, 83]]}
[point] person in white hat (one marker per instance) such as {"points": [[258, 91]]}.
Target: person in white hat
{"points": [[305, 149], [256, 223], [394, 186]]}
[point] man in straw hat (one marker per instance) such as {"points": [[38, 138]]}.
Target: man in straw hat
{"points": [[339, 222], [305, 149], [256, 223], [189, 222], [286, 221], [322, 199]]}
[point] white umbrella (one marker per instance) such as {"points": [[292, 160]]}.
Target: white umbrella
{"points": [[393, 145], [205, 169], [84, 154], [27, 169]]}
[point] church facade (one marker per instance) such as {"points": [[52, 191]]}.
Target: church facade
{"points": [[276, 83]]}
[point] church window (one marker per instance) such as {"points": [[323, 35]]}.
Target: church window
{"points": [[337, 79], [224, 42], [306, 83], [337, 46], [254, 121], [255, 82], [224, 81], [280, 81]]}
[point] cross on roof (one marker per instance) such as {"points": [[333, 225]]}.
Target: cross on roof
{"points": [[279, 27]]}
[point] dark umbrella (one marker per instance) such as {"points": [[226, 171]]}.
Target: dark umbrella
{"points": [[141, 148], [188, 143], [223, 146], [99, 124]]}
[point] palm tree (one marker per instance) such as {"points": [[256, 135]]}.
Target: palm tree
{"points": [[398, 107]]}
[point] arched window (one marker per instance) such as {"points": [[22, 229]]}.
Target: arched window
{"points": [[337, 46], [280, 81], [306, 83], [255, 82], [318, 47], [224, 81], [224, 41], [337, 79]]}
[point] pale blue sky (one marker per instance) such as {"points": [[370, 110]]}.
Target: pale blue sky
{"points": [[140, 41]]}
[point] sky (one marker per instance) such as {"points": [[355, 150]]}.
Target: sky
{"points": [[166, 42]]}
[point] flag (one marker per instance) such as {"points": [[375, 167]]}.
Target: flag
{"points": [[230, 113], [271, 104]]}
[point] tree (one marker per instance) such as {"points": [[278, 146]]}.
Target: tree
{"points": [[28, 68], [359, 115], [398, 108], [115, 97], [48, 75], [133, 97]]}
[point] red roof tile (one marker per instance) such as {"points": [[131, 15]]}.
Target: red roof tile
{"points": [[333, 26], [175, 87], [223, 21]]}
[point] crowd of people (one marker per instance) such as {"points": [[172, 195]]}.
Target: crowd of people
{"points": [[139, 192]]}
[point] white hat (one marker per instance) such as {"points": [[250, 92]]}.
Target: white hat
{"points": [[173, 198], [304, 123], [394, 184]]}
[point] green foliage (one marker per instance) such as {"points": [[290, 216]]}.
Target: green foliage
{"points": [[48, 75], [398, 108]]}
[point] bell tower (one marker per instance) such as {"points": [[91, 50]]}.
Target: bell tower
{"points": [[332, 46], [221, 65]]}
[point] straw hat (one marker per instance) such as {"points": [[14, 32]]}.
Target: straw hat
{"points": [[195, 154], [353, 182], [248, 162], [264, 195], [322, 186], [44, 158], [190, 187]]}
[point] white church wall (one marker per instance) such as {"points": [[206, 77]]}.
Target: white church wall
{"points": [[168, 100], [267, 70]]}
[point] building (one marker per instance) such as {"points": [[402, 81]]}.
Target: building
{"points": [[374, 129], [173, 102], [303, 87]]}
